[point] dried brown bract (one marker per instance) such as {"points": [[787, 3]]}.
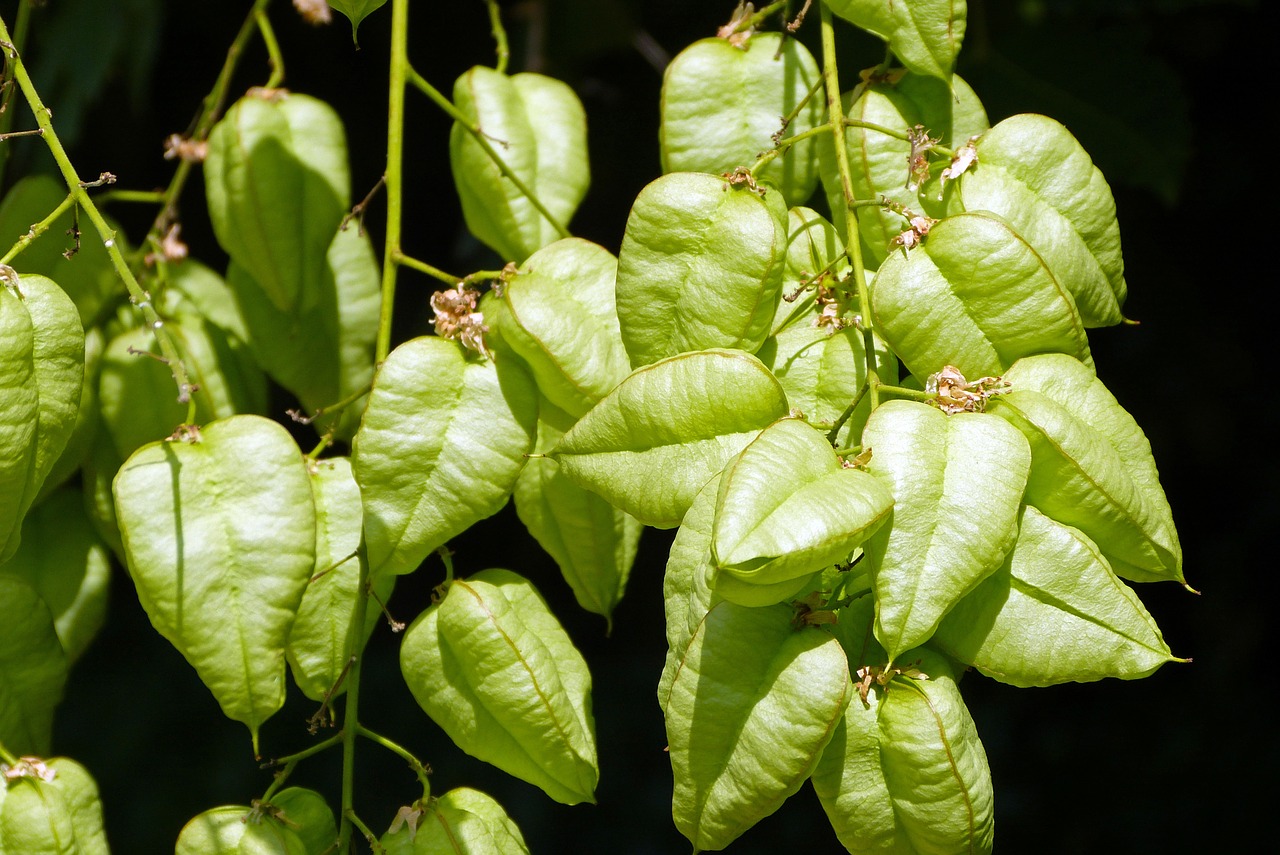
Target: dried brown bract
{"points": [[456, 317], [954, 394]]}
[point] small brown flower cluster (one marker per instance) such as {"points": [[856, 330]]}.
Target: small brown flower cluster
{"points": [[27, 767], [456, 317]]}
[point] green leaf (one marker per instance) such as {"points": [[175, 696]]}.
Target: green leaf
{"points": [[439, 448], [924, 34], [88, 277], [752, 705], [1053, 613], [62, 816], [557, 314], [278, 186], [700, 267], [787, 508], [957, 483], [1032, 171], [1092, 466], [238, 830], [320, 643], [950, 114], [63, 558], [462, 821], [307, 813], [651, 443], [33, 668], [723, 104], [220, 534], [493, 667], [538, 129], [322, 353], [934, 764], [592, 542], [42, 364], [975, 295], [356, 11]]}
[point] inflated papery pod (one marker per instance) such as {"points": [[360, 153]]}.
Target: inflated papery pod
{"points": [[651, 443], [557, 313], [787, 508], [1054, 612], [463, 821], [924, 34], [538, 129], [88, 420], [936, 306], [33, 668], [50, 807], [1032, 171], [957, 483], [1091, 466], [137, 395], [239, 830], [278, 186], [493, 667], [323, 353], [63, 558], [439, 448], [701, 266], [723, 100], [320, 642], [41, 374], [307, 813], [219, 529], [878, 162], [904, 772], [592, 542], [752, 704]]}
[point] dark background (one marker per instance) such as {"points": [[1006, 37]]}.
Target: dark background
{"points": [[1164, 94]]}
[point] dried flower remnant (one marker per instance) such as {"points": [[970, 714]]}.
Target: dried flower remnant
{"points": [[953, 394], [315, 12], [456, 317], [829, 311], [919, 227], [918, 158], [730, 30], [869, 675], [409, 815], [741, 176], [172, 247], [964, 158], [185, 149], [27, 767]]}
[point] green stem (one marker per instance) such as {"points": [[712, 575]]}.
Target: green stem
{"points": [[137, 295], [393, 177], [759, 17], [210, 110], [904, 392], [37, 230], [422, 267], [447, 557], [291, 761], [9, 759], [478, 135], [350, 712], [369, 836], [20, 28], [853, 242], [273, 48], [499, 36], [419, 768], [834, 433], [142, 197]]}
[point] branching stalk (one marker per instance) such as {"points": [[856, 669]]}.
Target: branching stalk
{"points": [[853, 242], [81, 197]]}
